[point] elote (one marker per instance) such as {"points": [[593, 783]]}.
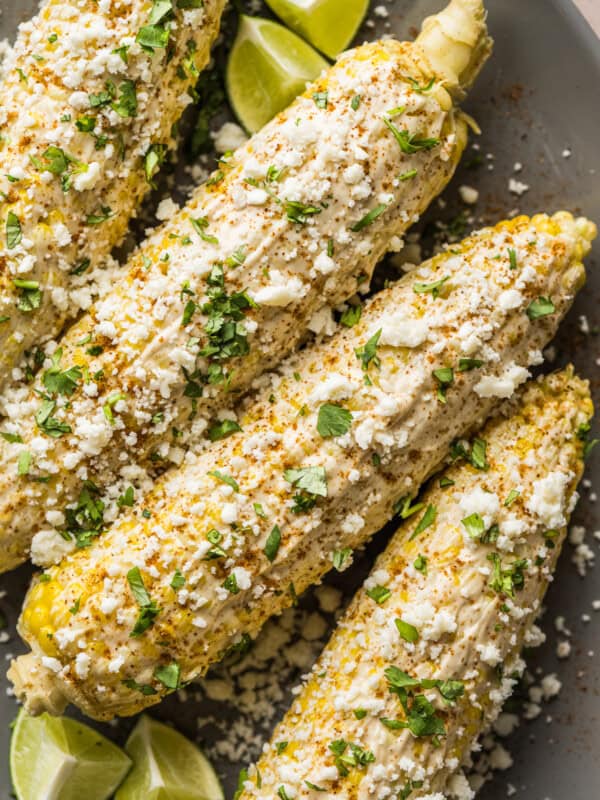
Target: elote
{"points": [[88, 105], [429, 649], [336, 443], [293, 223]]}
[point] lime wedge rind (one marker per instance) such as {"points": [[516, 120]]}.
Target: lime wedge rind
{"points": [[329, 25], [58, 757], [166, 766], [268, 67]]}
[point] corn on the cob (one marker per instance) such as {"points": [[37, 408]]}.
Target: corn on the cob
{"points": [[294, 222], [88, 103], [325, 455], [452, 604]]}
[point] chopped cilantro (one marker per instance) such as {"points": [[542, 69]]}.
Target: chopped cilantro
{"points": [[420, 564], [379, 594], [432, 288], [13, 230], [478, 454], [216, 551], [153, 37], [314, 787], [75, 607], [272, 544], [155, 156], [177, 581], [421, 716], [81, 267], [24, 463], [542, 307], [474, 525], [369, 218], [340, 557], [111, 402], [30, 296], [404, 507], [300, 213], [142, 688], [126, 103], [148, 608], [351, 316], [220, 476], [467, 364], [321, 99], [200, 225], [312, 480], [445, 378], [230, 583], [348, 755], [99, 217], [12, 438], [407, 631], [333, 420], [126, 500], [85, 521], [417, 86], [169, 675], [367, 354], [406, 176], [223, 429], [507, 578], [408, 789], [426, 521], [47, 423], [410, 143], [59, 381], [512, 496], [160, 10]]}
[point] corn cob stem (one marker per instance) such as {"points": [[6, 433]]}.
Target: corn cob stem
{"points": [[88, 103], [294, 222], [453, 603], [326, 453], [454, 43]]}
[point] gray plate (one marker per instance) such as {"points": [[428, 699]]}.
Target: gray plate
{"points": [[539, 95]]}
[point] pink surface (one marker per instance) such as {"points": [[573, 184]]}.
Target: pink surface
{"points": [[591, 10]]}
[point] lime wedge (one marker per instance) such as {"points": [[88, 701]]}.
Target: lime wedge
{"points": [[329, 25], [56, 758], [166, 766], [268, 67]]}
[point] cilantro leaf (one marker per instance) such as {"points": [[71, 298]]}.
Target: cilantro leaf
{"points": [[311, 479], [272, 544], [333, 420], [427, 519], [541, 307], [13, 230], [169, 675], [223, 429]]}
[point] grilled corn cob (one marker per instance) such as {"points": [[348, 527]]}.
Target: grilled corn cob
{"points": [[88, 103], [293, 222], [335, 443], [453, 604]]}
